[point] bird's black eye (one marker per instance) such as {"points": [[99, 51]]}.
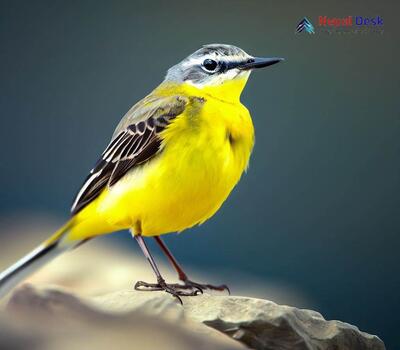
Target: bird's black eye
{"points": [[210, 65]]}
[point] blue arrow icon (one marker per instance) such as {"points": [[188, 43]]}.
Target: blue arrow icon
{"points": [[305, 25]]}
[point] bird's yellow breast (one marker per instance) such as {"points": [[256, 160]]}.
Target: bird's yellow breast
{"points": [[204, 152]]}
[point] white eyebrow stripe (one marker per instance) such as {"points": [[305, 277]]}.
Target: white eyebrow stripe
{"points": [[199, 60]]}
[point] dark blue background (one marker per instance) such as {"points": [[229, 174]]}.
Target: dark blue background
{"points": [[319, 207]]}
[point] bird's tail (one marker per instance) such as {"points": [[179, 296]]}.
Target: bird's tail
{"points": [[33, 261]]}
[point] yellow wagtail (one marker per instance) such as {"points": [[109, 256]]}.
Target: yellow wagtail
{"points": [[171, 163]]}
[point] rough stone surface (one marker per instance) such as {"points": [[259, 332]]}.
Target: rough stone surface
{"points": [[52, 319], [260, 324], [135, 319]]}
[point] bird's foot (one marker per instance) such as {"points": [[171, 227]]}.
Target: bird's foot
{"points": [[188, 284], [177, 290]]}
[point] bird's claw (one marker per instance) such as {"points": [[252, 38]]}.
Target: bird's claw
{"points": [[177, 290], [201, 287]]}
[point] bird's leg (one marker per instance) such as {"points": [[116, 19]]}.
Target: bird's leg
{"points": [[187, 283], [173, 289]]}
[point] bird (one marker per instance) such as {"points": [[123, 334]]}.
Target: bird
{"points": [[172, 161]]}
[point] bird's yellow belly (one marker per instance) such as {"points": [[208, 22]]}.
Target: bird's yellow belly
{"points": [[182, 186], [174, 191]]}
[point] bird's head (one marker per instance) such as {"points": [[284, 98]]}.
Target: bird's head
{"points": [[216, 66]]}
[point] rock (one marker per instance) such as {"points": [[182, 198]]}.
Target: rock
{"points": [[52, 319], [260, 324], [157, 320]]}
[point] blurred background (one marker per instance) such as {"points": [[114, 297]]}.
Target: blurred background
{"points": [[314, 223]]}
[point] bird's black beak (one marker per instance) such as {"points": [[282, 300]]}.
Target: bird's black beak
{"points": [[259, 62]]}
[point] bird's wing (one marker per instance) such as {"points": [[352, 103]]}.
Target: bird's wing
{"points": [[135, 140]]}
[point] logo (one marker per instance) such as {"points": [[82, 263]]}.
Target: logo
{"points": [[350, 21], [351, 25], [342, 25], [305, 25]]}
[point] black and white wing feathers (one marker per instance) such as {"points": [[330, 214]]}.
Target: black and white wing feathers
{"points": [[135, 141]]}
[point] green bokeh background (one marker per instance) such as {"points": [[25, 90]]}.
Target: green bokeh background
{"points": [[319, 206]]}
